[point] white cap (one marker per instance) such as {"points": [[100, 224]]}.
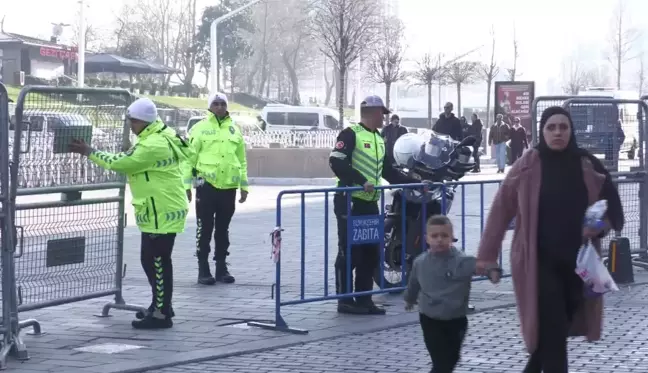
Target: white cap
{"points": [[216, 97], [142, 109], [375, 101]]}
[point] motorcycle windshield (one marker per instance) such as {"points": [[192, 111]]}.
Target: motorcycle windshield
{"points": [[436, 152]]}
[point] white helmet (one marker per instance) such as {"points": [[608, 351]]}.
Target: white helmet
{"points": [[406, 148]]}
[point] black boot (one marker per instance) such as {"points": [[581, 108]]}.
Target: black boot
{"points": [[140, 314], [349, 306], [371, 307], [154, 320], [204, 274], [222, 273]]}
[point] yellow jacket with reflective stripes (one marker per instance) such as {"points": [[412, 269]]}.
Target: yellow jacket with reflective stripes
{"points": [[367, 158]]}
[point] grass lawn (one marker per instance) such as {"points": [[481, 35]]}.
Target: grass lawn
{"points": [[195, 103], [13, 92]]}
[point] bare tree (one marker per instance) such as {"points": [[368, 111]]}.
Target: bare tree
{"points": [[330, 83], [575, 77], [345, 28], [428, 72], [385, 63], [622, 41], [488, 72], [461, 73], [188, 47], [641, 75], [512, 72]]}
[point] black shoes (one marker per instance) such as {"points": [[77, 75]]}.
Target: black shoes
{"points": [[222, 273], [476, 171], [204, 274], [500, 171], [155, 320], [351, 307]]}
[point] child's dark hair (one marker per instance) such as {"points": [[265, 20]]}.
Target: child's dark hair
{"points": [[439, 220]]}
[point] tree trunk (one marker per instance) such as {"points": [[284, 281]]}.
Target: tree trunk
{"points": [[459, 113], [339, 84], [329, 86], [387, 98], [232, 80], [429, 99], [342, 95], [294, 80], [489, 86], [264, 73], [207, 78], [267, 92]]}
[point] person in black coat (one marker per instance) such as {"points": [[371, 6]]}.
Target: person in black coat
{"points": [[475, 130], [449, 124], [390, 133]]}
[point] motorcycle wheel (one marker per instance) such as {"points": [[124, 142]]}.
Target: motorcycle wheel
{"points": [[391, 273]]}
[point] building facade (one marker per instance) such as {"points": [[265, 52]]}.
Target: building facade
{"points": [[34, 57]]}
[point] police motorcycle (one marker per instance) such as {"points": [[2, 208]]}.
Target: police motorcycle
{"points": [[436, 158]]}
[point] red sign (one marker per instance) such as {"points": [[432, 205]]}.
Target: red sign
{"points": [[514, 99], [60, 54]]}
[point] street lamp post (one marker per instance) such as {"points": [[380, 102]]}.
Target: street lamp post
{"points": [[214, 42], [81, 49]]}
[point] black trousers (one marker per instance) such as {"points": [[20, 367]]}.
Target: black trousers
{"points": [[214, 211], [560, 294], [476, 155], [443, 340], [516, 153], [155, 255], [364, 258]]}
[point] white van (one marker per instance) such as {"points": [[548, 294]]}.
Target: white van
{"points": [[299, 118]]}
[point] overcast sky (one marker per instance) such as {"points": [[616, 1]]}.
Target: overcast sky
{"points": [[547, 30]]}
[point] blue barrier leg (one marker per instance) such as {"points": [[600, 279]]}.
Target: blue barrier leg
{"points": [[302, 214], [381, 257], [423, 228], [463, 218], [279, 324], [326, 243], [349, 273], [403, 238]]}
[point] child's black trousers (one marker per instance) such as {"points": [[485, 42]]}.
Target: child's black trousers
{"points": [[443, 339]]}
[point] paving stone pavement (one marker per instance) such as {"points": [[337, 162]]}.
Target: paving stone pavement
{"points": [[205, 314], [493, 344]]}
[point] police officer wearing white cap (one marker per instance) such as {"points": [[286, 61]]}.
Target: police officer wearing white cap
{"points": [[358, 160], [220, 169], [154, 167]]}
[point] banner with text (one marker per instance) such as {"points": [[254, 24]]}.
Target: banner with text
{"points": [[513, 99]]}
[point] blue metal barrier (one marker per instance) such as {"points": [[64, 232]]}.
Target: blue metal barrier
{"points": [[367, 229]]}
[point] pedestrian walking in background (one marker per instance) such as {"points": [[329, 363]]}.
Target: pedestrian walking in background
{"points": [[475, 130], [518, 140], [547, 192], [498, 136], [154, 166], [448, 123], [440, 283], [390, 133], [219, 168]]}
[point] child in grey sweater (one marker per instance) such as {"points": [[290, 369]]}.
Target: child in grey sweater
{"points": [[440, 280]]}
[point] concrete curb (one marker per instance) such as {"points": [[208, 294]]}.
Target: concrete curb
{"points": [[285, 341], [292, 181]]}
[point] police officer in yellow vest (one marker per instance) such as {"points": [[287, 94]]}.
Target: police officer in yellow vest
{"points": [[220, 169], [358, 160]]}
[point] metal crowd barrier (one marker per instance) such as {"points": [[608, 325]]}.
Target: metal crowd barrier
{"points": [[375, 223], [67, 249]]}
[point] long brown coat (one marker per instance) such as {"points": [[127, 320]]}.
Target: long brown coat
{"points": [[518, 197]]}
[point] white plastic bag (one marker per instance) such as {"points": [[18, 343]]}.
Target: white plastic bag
{"points": [[591, 270], [589, 265]]}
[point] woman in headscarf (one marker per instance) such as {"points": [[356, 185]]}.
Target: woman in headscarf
{"points": [[548, 234]]}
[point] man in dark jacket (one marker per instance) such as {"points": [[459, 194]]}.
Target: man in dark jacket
{"points": [[390, 134], [448, 124], [498, 136], [475, 130]]}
